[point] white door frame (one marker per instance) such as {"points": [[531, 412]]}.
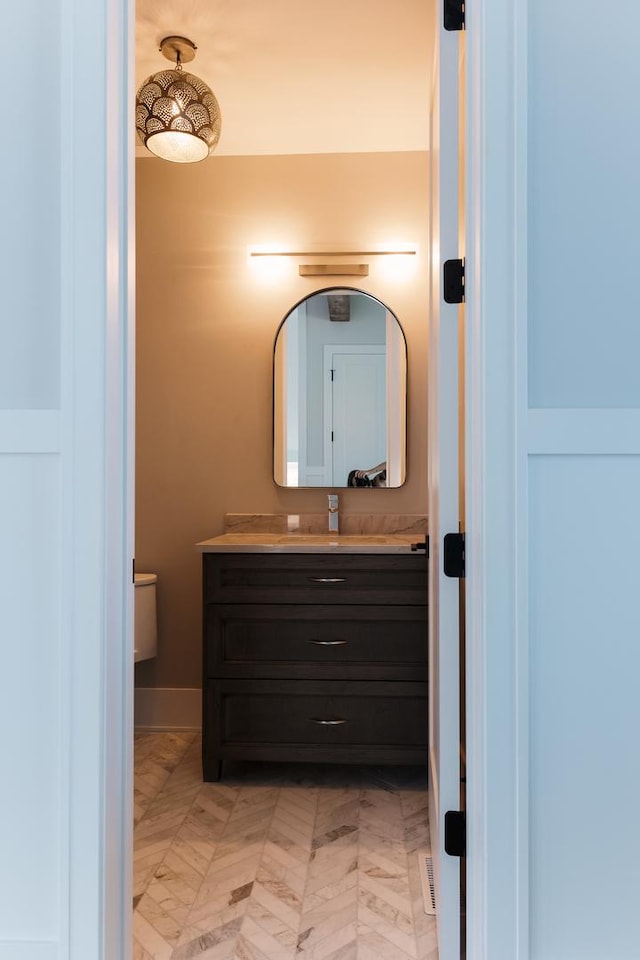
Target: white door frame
{"points": [[97, 422], [444, 487], [396, 402], [497, 869], [495, 220]]}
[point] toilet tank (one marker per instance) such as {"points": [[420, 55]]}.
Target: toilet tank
{"points": [[145, 617]]}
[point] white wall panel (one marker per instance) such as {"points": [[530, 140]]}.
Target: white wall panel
{"points": [[583, 191], [30, 174], [65, 538], [582, 482], [584, 583], [33, 815], [554, 462], [30, 801]]}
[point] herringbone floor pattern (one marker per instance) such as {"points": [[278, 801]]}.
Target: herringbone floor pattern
{"points": [[278, 861]]}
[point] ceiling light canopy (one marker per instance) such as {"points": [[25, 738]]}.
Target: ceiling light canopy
{"points": [[177, 114]]}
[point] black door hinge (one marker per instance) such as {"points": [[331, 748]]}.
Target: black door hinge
{"points": [[453, 559], [453, 281], [455, 833], [454, 14]]}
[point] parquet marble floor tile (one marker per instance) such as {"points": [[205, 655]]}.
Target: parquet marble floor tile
{"points": [[277, 861]]}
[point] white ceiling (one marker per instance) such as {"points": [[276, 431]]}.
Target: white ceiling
{"points": [[303, 76]]}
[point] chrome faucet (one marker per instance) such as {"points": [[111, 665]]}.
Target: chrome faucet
{"points": [[334, 519]]}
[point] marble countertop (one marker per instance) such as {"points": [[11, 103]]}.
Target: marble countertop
{"points": [[309, 543]]}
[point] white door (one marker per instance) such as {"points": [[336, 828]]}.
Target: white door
{"points": [[444, 489], [355, 410]]}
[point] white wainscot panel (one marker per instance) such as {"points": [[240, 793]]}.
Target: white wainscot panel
{"points": [[583, 204], [30, 204], [584, 530], [32, 767]]}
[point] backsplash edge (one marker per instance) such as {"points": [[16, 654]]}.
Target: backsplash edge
{"points": [[351, 524]]}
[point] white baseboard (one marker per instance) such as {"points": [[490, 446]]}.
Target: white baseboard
{"points": [[158, 709]]}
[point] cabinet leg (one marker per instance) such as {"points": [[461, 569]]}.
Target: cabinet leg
{"points": [[212, 770]]}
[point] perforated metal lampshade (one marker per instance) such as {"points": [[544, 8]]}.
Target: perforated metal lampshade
{"points": [[177, 114]]}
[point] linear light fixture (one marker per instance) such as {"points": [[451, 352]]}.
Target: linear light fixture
{"points": [[332, 253], [333, 269]]}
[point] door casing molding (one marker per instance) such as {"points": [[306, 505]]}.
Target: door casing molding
{"points": [[97, 256], [497, 664], [495, 286]]}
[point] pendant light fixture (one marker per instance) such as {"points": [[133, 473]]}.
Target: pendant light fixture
{"points": [[177, 115]]}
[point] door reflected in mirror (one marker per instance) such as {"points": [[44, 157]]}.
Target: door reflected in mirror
{"points": [[340, 397]]}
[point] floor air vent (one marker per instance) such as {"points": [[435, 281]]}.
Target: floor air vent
{"points": [[428, 885]]}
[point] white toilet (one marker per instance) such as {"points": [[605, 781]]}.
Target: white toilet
{"points": [[145, 619]]}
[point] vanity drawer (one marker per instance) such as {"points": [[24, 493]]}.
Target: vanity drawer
{"points": [[247, 719], [314, 642], [315, 578]]}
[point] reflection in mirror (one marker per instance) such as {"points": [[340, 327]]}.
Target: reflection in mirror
{"points": [[340, 370]]}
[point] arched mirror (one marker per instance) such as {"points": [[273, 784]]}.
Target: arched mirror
{"points": [[340, 393]]}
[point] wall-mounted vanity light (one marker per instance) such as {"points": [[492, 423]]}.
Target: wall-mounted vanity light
{"points": [[177, 115], [334, 269]]}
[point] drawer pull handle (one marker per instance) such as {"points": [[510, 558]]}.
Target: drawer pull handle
{"points": [[327, 723], [328, 579], [328, 643]]}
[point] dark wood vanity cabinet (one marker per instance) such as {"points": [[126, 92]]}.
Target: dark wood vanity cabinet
{"points": [[314, 657]]}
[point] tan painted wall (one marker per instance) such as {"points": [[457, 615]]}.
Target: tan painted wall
{"points": [[206, 322]]}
